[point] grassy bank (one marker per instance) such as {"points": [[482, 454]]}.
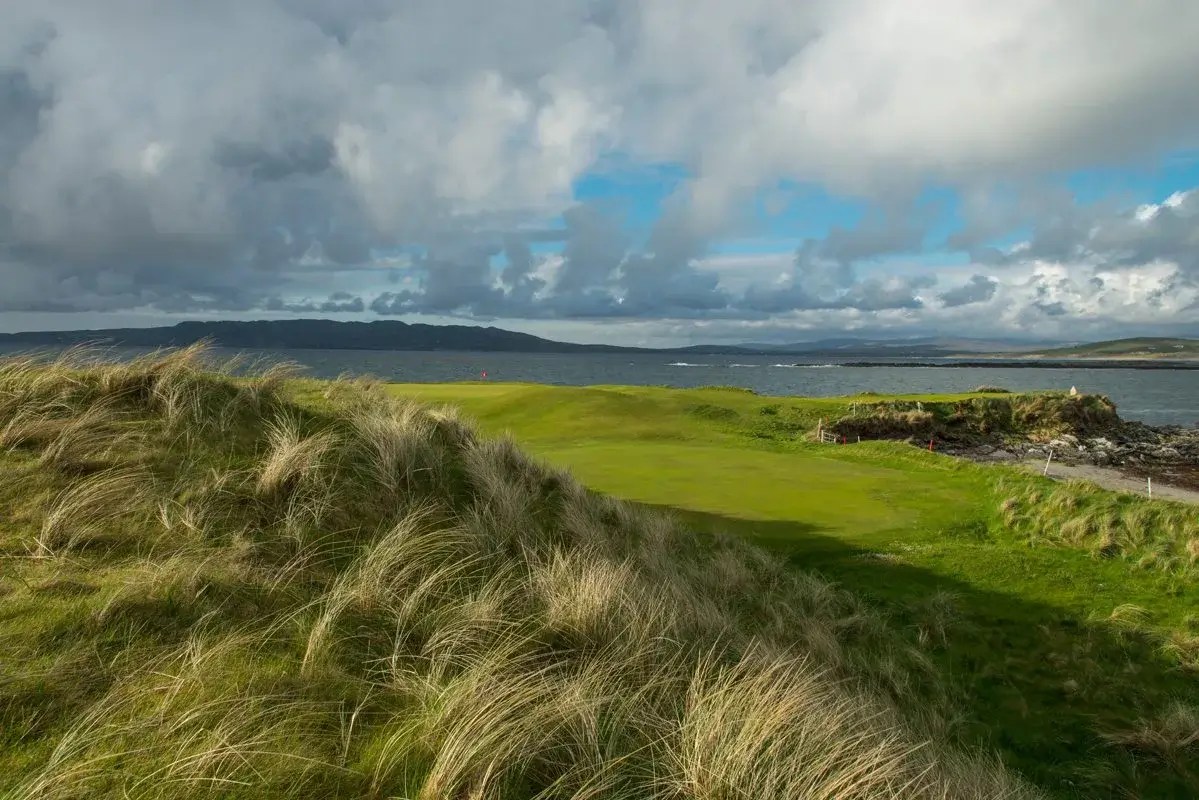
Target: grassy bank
{"points": [[1072, 656], [233, 588]]}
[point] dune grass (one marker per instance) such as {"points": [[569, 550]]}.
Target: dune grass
{"points": [[1161, 536], [1029, 630], [216, 588]]}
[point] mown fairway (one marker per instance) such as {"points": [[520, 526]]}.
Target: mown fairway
{"points": [[1081, 669]]}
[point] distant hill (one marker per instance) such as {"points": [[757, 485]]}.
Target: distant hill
{"points": [[316, 334], [320, 334], [1139, 347]]}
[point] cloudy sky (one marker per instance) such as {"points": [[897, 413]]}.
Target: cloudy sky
{"points": [[629, 171]]}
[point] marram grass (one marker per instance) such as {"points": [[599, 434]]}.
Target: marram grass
{"points": [[209, 591]]}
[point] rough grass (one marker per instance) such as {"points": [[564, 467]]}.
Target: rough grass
{"points": [[211, 591], [1041, 415], [1155, 534]]}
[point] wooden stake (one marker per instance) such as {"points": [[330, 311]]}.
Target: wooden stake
{"points": [[1046, 470]]}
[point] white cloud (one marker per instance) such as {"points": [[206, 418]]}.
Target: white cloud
{"points": [[156, 154]]}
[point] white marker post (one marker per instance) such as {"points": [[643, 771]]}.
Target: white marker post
{"points": [[1149, 484], [1046, 470]]}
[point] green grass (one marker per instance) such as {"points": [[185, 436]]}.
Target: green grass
{"points": [[1058, 646], [262, 588], [249, 588]]}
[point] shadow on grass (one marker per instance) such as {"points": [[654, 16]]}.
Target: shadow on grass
{"points": [[1035, 682]]}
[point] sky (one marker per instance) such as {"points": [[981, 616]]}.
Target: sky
{"points": [[641, 172]]}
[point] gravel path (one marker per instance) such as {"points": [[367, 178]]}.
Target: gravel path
{"points": [[1113, 479]]}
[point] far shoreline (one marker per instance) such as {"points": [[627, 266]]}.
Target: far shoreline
{"points": [[1031, 364]]}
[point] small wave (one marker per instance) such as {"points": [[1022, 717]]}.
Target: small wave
{"points": [[685, 364], [806, 366], [744, 365]]}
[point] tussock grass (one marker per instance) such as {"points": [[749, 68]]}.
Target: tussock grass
{"points": [[252, 597], [91, 507], [1171, 736], [1042, 415], [294, 459], [1155, 534]]}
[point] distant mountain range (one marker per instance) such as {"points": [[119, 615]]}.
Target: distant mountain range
{"points": [[321, 334]]}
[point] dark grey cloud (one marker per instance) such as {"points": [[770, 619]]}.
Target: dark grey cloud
{"points": [[1054, 309], [889, 232], [664, 277], [978, 289], [825, 276], [309, 157]]}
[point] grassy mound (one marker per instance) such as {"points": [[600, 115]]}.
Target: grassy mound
{"points": [[1039, 416], [210, 589]]}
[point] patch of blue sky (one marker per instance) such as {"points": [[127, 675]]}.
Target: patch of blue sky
{"points": [[797, 211], [1177, 171], [780, 217], [637, 192]]}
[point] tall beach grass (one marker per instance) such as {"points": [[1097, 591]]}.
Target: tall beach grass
{"points": [[213, 591]]}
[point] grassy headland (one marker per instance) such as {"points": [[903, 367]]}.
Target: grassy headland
{"points": [[243, 588], [1139, 347]]}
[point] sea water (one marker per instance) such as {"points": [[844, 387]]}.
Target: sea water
{"points": [[1158, 397]]}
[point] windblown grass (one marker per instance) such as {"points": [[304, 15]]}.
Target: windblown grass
{"points": [[1156, 534], [244, 597]]}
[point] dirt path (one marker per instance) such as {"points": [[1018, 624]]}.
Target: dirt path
{"points": [[1113, 479]]}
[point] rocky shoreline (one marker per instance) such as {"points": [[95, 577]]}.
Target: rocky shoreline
{"points": [[1169, 454]]}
